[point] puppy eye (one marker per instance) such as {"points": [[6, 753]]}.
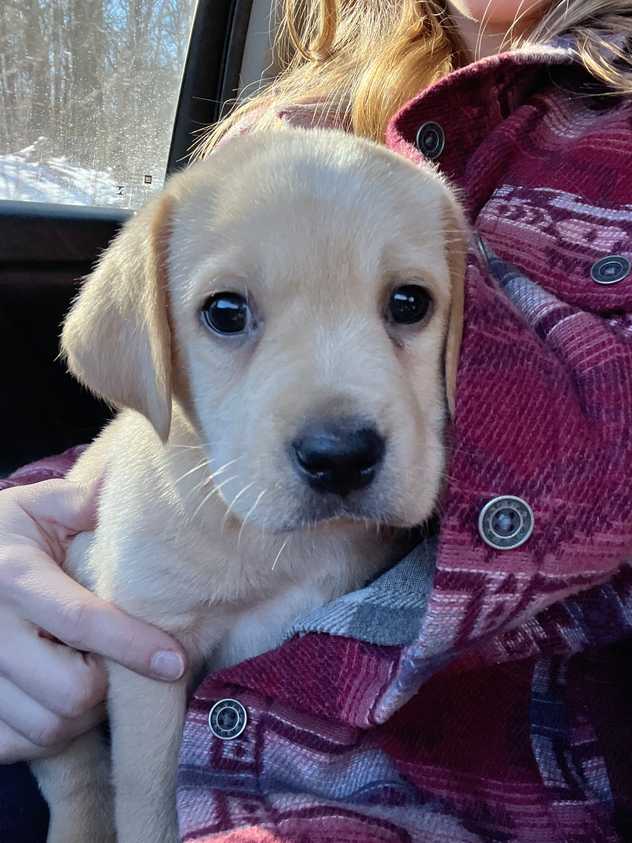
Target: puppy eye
{"points": [[227, 313], [409, 304]]}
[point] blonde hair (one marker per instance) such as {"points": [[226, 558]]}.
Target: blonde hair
{"points": [[360, 60]]}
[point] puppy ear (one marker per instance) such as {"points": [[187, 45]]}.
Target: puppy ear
{"points": [[457, 240], [116, 338]]}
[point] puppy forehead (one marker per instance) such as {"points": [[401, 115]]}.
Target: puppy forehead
{"points": [[295, 209]]}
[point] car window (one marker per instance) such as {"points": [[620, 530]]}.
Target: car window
{"points": [[88, 94]]}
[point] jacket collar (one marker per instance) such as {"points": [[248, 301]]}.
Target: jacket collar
{"points": [[471, 102]]}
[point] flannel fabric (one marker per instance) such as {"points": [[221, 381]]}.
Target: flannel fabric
{"points": [[471, 694]]}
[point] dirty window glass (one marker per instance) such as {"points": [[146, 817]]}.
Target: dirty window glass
{"points": [[88, 93]]}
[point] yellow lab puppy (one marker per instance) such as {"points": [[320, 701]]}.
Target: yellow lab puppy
{"points": [[275, 326]]}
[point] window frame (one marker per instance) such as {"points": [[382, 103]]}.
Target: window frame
{"points": [[219, 28]]}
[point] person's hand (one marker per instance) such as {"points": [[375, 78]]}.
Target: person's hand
{"points": [[51, 692]]}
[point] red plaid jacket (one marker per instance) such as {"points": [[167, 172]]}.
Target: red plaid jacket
{"points": [[477, 692]]}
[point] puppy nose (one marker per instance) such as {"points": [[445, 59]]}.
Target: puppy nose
{"points": [[337, 457]]}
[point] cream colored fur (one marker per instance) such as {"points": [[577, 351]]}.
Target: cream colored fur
{"points": [[317, 227]]}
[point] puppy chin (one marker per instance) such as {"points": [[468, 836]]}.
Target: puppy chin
{"points": [[333, 513]]}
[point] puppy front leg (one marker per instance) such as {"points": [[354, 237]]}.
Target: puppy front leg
{"points": [[76, 785], [146, 718]]}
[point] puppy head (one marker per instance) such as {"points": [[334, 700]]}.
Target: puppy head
{"points": [[305, 289]]}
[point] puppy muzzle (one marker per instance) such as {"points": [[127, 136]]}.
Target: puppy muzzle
{"points": [[338, 457]]}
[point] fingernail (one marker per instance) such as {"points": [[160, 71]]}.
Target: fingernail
{"points": [[167, 665]]}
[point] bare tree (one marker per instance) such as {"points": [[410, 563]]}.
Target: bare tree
{"points": [[97, 79]]}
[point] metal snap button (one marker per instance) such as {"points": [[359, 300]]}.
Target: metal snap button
{"points": [[611, 269], [430, 140], [505, 522], [227, 719]]}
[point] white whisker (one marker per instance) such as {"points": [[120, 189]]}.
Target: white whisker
{"points": [[223, 468], [213, 491], [192, 470], [195, 489], [234, 501], [211, 477], [283, 546], [248, 514]]}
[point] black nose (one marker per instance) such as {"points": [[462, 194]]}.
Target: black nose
{"points": [[338, 457]]}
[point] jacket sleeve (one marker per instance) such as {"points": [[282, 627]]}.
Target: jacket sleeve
{"points": [[49, 468]]}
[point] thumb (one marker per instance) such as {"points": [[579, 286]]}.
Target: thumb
{"points": [[70, 506], [53, 601]]}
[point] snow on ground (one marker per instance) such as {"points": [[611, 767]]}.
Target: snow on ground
{"points": [[30, 175]]}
